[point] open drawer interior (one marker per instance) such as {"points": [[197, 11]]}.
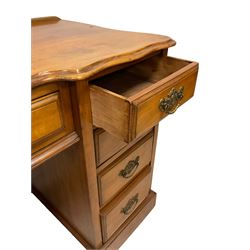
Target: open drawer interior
{"points": [[130, 101], [129, 81]]}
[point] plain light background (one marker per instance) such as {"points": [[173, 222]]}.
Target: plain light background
{"points": [[202, 167]]}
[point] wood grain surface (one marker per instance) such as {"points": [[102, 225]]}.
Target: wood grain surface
{"points": [[106, 145], [67, 182], [51, 114], [112, 216], [111, 183], [129, 226], [126, 103], [65, 50], [97, 180]]}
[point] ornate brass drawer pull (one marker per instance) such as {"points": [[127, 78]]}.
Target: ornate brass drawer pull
{"points": [[171, 103], [130, 168], [130, 205]]}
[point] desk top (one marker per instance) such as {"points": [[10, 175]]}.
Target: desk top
{"points": [[65, 50]]}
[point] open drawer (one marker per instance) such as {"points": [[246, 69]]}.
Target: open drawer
{"points": [[130, 101]]}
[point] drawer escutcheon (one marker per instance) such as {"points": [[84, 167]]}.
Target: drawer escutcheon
{"points": [[130, 168], [171, 103], [130, 205]]}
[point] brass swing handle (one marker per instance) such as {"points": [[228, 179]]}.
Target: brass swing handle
{"points": [[130, 168], [171, 103], [130, 206]]}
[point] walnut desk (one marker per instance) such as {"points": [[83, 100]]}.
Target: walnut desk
{"points": [[97, 98]]}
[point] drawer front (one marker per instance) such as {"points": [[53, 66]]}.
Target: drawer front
{"points": [[133, 100], [106, 145], [115, 177], [51, 115], [119, 210], [164, 101], [46, 117]]}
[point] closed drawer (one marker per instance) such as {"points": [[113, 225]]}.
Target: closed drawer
{"points": [[116, 176], [106, 145], [51, 115], [119, 210], [132, 100]]}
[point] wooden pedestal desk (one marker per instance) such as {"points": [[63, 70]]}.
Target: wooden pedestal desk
{"points": [[97, 98]]}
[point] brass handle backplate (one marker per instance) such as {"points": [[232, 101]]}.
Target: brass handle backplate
{"points": [[130, 168], [130, 206], [171, 103]]}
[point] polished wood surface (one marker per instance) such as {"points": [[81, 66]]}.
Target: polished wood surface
{"points": [[148, 112], [111, 182], [155, 131], [53, 149], [122, 151], [110, 112], [112, 216], [96, 96], [128, 227], [51, 114], [106, 145], [46, 115], [65, 50], [126, 103], [61, 183], [67, 182], [83, 119]]}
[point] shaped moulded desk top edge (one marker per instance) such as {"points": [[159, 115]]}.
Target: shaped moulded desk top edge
{"points": [[66, 50]]}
